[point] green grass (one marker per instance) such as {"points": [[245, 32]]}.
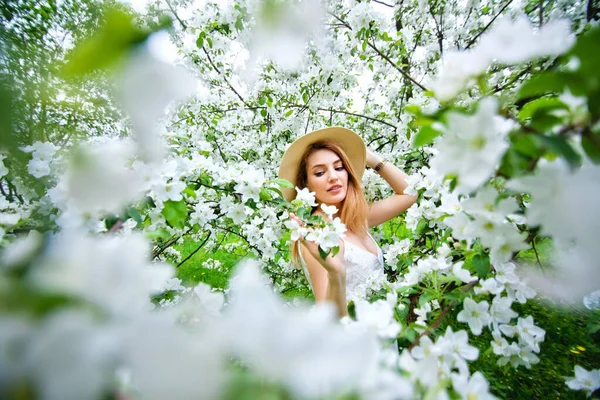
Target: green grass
{"points": [[192, 272], [566, 328]]}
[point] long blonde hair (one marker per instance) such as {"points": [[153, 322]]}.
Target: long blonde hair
{"points": [[354, 208]]}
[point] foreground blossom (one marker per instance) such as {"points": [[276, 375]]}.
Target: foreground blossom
{"points": [[588, 381]]}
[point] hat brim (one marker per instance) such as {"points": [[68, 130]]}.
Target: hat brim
{"points": [[349, 141]]}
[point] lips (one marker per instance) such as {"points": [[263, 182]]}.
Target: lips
{"points": [[334, 188]]}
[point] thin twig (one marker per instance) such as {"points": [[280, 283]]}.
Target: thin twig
{"points": [[240, 235], [488, 25], [386, 58], [541, 18], [169, 243], [393, 64], [116, 226], [382, 3], [195, 251], [440, 317], [537, 257], [220, 73], [183, 24]]}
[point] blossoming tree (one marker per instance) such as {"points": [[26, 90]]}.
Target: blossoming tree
{"points": [[493, 109]]}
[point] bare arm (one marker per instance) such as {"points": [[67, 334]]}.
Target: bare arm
{"points": [[386, 209], [329, 284]]}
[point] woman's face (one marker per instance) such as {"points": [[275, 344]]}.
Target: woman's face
{"points": [[327, 177]]}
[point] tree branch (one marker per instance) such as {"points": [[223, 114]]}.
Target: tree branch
{"points": [[393, 64], [222, 74], [440, 317], [382, 3], [183, 24], [240, 235], [488, 25], [195, 251], [386, 58]]}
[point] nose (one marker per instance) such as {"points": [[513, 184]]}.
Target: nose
{"points": [[333, 175]]}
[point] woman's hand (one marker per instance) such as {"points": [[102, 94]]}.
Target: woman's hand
{"points": [[333, 265]]}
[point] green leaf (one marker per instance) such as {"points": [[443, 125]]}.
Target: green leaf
{"points": [[421, 226], [134, 214], [544, 103], [553, 82], [175, 212], [425, 136], [586, 49], [110, 221], [158, 234], [118, 35], [560, 146], [265, 195], [591, 145], [303, 213], [410, 334], [290, 112], [190, 192], [315, 219], [481, 262], [239, 23], [200, 40], [527, 144], [276, 191], [283, 183], [335, 250], [514, 163], [323, 253]]}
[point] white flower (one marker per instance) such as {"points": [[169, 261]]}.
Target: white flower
{"points": [[82, 348], [21, 249], [39, 168], [306, 196], [514, 41], [476, 387], [296, 230], [584, 380], [112, 272], [329, 210], [379, 317], [475, 314], [500, 311], [98, 178], [210, 301], [146, 87], [529, 333], [306, 350], [473, 145], [457, 67], [462, 274], [489, 285]]}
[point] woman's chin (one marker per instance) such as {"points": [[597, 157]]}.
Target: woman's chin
{"points": [[334, 199]]}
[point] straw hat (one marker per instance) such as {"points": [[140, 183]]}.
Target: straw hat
{"points": [[349, 141]]}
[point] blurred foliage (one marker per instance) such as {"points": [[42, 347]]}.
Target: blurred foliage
{"points": [[35, 37]]}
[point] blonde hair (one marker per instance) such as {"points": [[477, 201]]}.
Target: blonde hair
{"points": [[354, 208]]}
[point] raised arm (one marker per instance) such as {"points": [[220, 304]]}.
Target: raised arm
{"points": [[386, 209]]}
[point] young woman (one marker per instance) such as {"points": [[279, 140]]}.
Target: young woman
{"points": [[330, 162]]}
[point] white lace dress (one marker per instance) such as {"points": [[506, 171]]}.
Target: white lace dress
{"points": [[363, 270]]}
